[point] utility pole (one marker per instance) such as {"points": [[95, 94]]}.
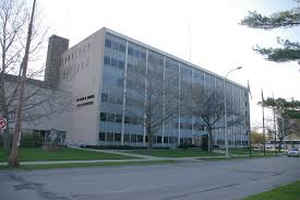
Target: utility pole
{"points": [[225, 110], [274, 125], [263, 112], [248, 117]]}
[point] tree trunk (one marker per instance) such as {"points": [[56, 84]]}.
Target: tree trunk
{"points": [[13, 160], [210, 143], [6, 140], [150, 137]]}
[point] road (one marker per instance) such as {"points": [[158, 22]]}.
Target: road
{"points": [[190, 180]]}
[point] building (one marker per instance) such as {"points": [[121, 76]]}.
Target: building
{"points": [[97, 72]]}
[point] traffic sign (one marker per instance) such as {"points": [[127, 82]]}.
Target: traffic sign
{"points": [[3, 123]]}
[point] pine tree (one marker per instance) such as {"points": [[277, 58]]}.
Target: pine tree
{"points": [[289, 51]]}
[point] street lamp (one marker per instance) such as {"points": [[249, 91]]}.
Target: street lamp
{"points": [[225, 109]]}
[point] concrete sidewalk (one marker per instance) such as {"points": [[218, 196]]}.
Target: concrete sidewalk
{"points": [[115, 152], [140, 158]]}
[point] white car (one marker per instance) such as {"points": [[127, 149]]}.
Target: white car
{"points": [[293, 152]]}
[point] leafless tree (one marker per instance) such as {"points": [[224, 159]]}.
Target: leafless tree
{"points": [[157, 94], [13, 157], [13, 20], [23, 98], [207, 107]]}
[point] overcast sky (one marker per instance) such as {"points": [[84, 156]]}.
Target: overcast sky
{"points": [[209, 29]]}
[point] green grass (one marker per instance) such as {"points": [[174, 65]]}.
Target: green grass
{"points": [[38, 154], [287, 192], [80, 165], [177, 153]]}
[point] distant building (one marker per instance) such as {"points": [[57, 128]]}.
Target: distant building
{"points": [[96, 72], [43, 105]]}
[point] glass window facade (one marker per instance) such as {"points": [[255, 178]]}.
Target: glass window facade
{"points": [[123, 95]]}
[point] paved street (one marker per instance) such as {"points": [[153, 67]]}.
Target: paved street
{"points": [[190, 180]]}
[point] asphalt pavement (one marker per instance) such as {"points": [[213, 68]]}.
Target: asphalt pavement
{"points": [[206, 180]]}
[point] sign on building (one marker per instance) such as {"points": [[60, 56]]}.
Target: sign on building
{"points": [[3, 123]]}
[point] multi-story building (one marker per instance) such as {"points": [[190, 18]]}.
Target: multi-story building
{"points": [[99, 71]]}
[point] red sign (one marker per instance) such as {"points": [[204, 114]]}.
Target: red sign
{"points": [[3, 123]]}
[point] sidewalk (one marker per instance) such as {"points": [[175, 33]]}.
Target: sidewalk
{"points": [[140, 158], [115, 152]]}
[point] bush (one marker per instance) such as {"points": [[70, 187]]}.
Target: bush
{"points": [[31, 140], [186, 146]]}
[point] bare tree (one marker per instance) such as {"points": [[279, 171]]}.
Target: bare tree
{"points": [[13, 20], [13, 158], [156, 93], [22, 98], [207, 107]]}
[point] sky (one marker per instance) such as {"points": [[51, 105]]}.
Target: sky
{"points": [[206, 33]]}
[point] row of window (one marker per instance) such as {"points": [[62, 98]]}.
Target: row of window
{"points": [[115, 45], [76, 53], [114, 117], [122, 48], [114, 62], [136, 53], [133, 138], [189, 126], [111, 99]]}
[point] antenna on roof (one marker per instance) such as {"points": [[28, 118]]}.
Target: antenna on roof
{"points": [[190, 41]]}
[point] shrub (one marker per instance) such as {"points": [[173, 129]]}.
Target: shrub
{"points": [[31, 140]]}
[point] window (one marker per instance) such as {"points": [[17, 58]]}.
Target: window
{"points": [[159, 139], [108, 43], [133, 138], [111, 117], [118, 137], [103, 116], [139, 138], [104, 97], [121, 64], [130, 51], [106, 60], [126, 138], [110, 137], [166, 140], [113, 62], [118, 118], [127, 120], [122, 48], [102, 136], [154, 139]]}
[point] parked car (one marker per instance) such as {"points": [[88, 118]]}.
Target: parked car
{"points": [[293, 152]]}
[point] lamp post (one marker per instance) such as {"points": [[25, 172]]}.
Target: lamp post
{"points": [[225, 109]]}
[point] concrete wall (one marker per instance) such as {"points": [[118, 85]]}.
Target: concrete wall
{"points": [[81, 74], [43, 106]]}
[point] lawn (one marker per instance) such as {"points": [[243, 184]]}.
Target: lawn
{"points": [[38, 154], [287, 192], [177, 153]]}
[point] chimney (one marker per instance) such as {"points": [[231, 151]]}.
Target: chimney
{"points": [[56, 47]]}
